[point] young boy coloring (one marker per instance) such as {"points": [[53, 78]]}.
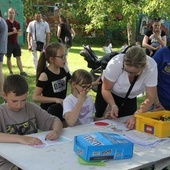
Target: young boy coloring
{"points": [[19, 117]]}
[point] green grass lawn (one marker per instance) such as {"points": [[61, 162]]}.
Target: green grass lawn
{"points": [[75, 61]]}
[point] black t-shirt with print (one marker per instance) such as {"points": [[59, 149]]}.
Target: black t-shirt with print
{"points": [[55, 86]]}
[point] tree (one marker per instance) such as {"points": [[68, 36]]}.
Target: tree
{"points": [[101, 13], [130, 9]]}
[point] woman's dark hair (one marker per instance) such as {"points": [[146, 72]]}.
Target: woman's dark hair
{"points": [[16, 84], [156, 19], [107, 42], [65, 21], [81, 76], [50, 51], [0, 14]]}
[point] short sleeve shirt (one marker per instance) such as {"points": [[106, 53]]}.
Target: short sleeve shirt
{"points": [[87, 110], [11, 25], [26, 121], [107, 49], [163, 61], [3, 36], [41, 29], [55, 86], [115, 73]]}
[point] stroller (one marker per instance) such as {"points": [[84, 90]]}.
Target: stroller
{"points": [[96, 64]]}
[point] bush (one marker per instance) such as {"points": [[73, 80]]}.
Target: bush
{"points": [[117, 39], [98, 41]]}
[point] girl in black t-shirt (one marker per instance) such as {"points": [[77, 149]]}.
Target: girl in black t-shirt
{"points": [[52, 79]]}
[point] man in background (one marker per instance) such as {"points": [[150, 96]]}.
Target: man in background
{"points": [[13, 47], [37, 30]]}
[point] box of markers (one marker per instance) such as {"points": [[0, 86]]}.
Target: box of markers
{"points": [[99, 146]]}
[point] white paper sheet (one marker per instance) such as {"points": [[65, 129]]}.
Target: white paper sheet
{"points": [[46, 143], [144, 139]]}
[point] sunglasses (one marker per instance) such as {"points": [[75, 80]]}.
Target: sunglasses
{"points": [[156, 19]]}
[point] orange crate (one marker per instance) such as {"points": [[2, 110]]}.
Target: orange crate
{"points": [[145, 122]]}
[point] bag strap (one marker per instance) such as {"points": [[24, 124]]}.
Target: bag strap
{"points": [[35, 31], [128, 92]]}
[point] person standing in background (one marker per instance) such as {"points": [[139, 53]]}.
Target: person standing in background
{"points": [[162, 58], [158, 35], [107, 48], [138, 43], [124, 46], [37, 30], [13, 47], [3, 47], [65, 33]]}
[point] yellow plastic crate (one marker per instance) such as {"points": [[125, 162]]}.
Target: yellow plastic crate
{"points": [[145, 122]]}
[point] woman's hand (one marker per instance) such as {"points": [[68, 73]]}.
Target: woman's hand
{"points": [[158, 107], [114, 112], [157, 48], [130, 123], [108, 115]]}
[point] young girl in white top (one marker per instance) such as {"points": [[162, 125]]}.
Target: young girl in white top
{"points": [[107, 48], [78, 107]]}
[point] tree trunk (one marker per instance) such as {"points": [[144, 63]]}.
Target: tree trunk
{"points": [[131, 33]]}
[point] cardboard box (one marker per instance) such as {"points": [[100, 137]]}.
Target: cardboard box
{"points": [[102, 146], [147, 122]]}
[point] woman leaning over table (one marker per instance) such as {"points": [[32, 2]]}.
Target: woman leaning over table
{"points": [[117, 78]]}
